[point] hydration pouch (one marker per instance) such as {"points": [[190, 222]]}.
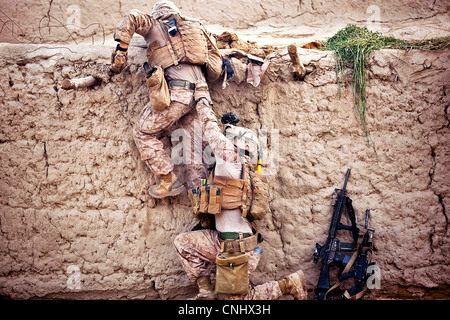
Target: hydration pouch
{"points": [[231, 273], [159, 90]]}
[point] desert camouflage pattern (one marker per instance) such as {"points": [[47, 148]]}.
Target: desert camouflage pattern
{"points": [[152, 125], [164, 8], [222, 147], [135, 21], [197, 252]]}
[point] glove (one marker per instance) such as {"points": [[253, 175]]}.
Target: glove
{"points": [[118, 59], [227, 64]]}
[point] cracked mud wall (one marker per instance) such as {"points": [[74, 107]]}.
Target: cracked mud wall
{"points": [[74, 22], [73, 190]]}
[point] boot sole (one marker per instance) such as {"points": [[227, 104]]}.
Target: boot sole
{"points": [[169, 194]]}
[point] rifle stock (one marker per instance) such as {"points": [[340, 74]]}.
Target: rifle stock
{"points": [[324, 282]]}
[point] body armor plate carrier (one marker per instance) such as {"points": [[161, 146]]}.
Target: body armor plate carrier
{"points": [[188, 45]]}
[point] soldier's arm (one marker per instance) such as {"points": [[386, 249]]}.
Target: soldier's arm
{"points": [[221, 146], [134, 21], [214, 63]]}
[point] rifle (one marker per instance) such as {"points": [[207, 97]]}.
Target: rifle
{"points": [[358, 269], [351, 266]]}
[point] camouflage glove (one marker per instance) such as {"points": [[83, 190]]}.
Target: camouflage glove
{"points": [[118, 59]]}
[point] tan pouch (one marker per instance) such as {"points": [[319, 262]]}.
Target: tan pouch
{"points": [[204, 200], [260, 196], [231, 273], [232, 191], [209, 200], [159, 90], [214, 206], [194, 197]]}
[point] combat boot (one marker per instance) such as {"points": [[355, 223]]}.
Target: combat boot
{"points": [[167, 186], [205, 289], [294, 284]]}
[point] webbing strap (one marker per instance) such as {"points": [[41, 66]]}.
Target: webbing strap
{"points": [[239, 245], [349, 266]]}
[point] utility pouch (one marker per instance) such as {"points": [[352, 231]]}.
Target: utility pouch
{"points": [[204, 199], [260, 196], [214, 206], [233, 192], [231, 273], [201, 91], [159, 90], [194, 197]]}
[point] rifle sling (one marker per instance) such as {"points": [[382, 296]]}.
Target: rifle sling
{"points": [[347, 269]]}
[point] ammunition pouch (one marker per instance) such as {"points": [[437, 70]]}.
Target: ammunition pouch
{"points": [[210, 200], [194, 198], [159, 91], [205, 199], [231, 273], [250, 194]]}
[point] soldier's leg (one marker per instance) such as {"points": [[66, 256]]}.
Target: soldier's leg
{"points": [[150, 127], [190, 133], [266, 291], [294, 284], [197, 252]]}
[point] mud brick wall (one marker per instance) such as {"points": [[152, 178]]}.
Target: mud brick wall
{"points": [[76, 221]]}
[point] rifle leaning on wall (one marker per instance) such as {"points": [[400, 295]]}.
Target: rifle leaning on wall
{"points": [[332, 252]]}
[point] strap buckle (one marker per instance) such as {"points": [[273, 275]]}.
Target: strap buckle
{"points": [[242, 246]]}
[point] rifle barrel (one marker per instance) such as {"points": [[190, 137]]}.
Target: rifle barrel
{"points": [[367, 219], [346, 179]]}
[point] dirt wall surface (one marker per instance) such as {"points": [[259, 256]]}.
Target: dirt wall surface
{"points": [[68, 21], [74, 196], [75, 217]]}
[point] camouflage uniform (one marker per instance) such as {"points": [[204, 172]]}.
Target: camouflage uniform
{"points": [[197, 250], [222, 147], [153, 124]]}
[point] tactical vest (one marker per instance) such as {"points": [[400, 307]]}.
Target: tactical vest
{"points": [[188, 45], [250, 194]]}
